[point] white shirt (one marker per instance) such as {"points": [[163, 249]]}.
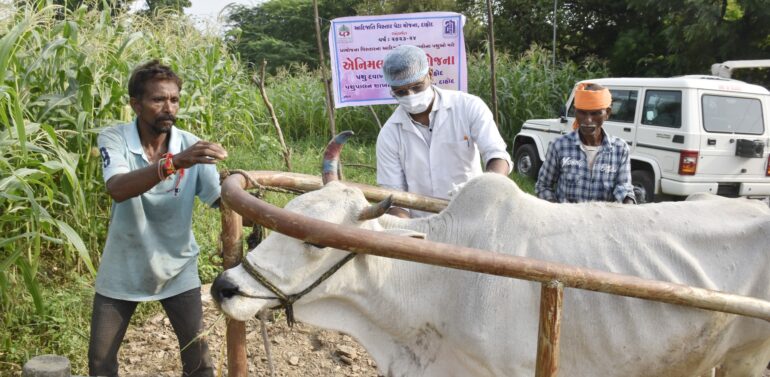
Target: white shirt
{"points": [[464, 134]]}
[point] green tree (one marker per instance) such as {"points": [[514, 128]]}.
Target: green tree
{"points": [[173, 5], [637, 37], [283, 31], [271, 30]]}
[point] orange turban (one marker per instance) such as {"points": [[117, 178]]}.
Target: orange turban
{"points": [[591, 99]]}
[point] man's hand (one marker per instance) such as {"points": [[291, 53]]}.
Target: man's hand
{"points": [[202, 152], [498, 165]]}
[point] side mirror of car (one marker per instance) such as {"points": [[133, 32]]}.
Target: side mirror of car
{"points": [[562, 115]]}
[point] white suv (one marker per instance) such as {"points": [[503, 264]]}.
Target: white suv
{"points": [[686, 134]]}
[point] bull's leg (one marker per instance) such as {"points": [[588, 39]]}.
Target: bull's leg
{"points": [[749, 360]]}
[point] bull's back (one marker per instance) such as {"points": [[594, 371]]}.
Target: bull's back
{"points": [[715, 244]]}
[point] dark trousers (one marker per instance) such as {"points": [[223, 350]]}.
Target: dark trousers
{"points": [[109, 323]]}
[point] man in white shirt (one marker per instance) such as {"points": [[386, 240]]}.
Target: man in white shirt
{"points": [[436, 139]]}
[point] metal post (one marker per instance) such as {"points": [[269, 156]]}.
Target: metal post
{"points": [[491, 36], [232, 251], [551, 295]]}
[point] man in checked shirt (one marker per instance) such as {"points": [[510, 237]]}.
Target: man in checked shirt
{"points": [[587, 164]]}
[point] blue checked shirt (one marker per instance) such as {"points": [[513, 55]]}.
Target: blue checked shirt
{"points": [[564, 176]]}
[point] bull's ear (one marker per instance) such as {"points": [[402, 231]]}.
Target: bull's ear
{"points": [[406, 233]]}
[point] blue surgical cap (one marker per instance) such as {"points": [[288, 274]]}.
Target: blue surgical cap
{"points": [[405, 64]]}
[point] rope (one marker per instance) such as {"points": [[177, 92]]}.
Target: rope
{"points": [[287, 301], [259, 187], [261, 315]]}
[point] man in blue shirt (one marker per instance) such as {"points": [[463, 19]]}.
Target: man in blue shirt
{"points": [[587, 164], [153, 172]]}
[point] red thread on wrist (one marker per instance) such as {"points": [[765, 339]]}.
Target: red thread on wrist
{"points": [[168, 166], [170, 169]]}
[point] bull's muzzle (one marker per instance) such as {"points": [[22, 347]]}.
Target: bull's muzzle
{"points": [[222, 289]]}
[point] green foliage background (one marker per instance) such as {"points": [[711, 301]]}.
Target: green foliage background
{"points": [[641, 38]]}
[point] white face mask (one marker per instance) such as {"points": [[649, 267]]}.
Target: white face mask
{"points": [[418, 102]]}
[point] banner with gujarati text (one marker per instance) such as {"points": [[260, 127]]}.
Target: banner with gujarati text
{"points": [[358, 46]]}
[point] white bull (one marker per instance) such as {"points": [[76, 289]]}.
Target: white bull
{"points": [[421, 320]]}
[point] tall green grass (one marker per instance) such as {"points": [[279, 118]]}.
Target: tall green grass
{"points": [[528, 86], [64, 78]]}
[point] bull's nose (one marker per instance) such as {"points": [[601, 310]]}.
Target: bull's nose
{"points": [[222, 289]]}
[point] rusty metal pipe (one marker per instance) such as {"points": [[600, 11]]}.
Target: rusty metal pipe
{"points": [[440, 254], [305, 183], [232, 252]]}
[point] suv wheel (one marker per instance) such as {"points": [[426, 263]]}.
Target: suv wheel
{"points": [[644, 186], [526, 161]]}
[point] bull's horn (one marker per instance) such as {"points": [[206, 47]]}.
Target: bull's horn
{"points": [[376, 210], [332, 156]]}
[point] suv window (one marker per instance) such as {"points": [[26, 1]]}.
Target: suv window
{"points": [[732, 115], [663, 108], [623, 106]]}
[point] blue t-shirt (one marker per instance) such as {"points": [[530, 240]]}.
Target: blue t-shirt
{"points": [[151, 253]]}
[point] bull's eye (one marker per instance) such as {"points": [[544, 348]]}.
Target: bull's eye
{"points": [[315, 245]]}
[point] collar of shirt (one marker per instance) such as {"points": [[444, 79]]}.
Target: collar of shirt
{"points": [[135, 144], [607, 139]]}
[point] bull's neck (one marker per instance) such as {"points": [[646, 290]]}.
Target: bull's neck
{"points": [[370, 300]]}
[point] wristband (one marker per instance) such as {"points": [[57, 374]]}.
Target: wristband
{"points": [[168, 165], [170, 169], [160, 169]]}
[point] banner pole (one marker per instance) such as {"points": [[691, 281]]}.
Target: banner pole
{"points": [[491, 32], [322, 66]]}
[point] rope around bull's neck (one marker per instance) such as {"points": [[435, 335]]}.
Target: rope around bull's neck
{"points": [[287, 301]]}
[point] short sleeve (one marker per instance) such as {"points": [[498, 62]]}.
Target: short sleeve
{"points": [[208, 188], [485, 133], [389, 171], [112, 148]]}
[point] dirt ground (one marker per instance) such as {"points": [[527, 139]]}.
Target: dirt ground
{"points": [[151, 349]]}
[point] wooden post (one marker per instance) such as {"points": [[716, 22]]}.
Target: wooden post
{"points": [[263, 92], [551, 294], [322, 67], [232, 251], [491, 32]]}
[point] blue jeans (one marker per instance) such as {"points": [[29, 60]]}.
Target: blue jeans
{"points": [[109, 323]]}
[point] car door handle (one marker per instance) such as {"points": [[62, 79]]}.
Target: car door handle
{"points": [[627, 129], [711, 142]]}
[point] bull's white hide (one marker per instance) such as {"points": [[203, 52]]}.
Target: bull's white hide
{"points": [[421, 320]]}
